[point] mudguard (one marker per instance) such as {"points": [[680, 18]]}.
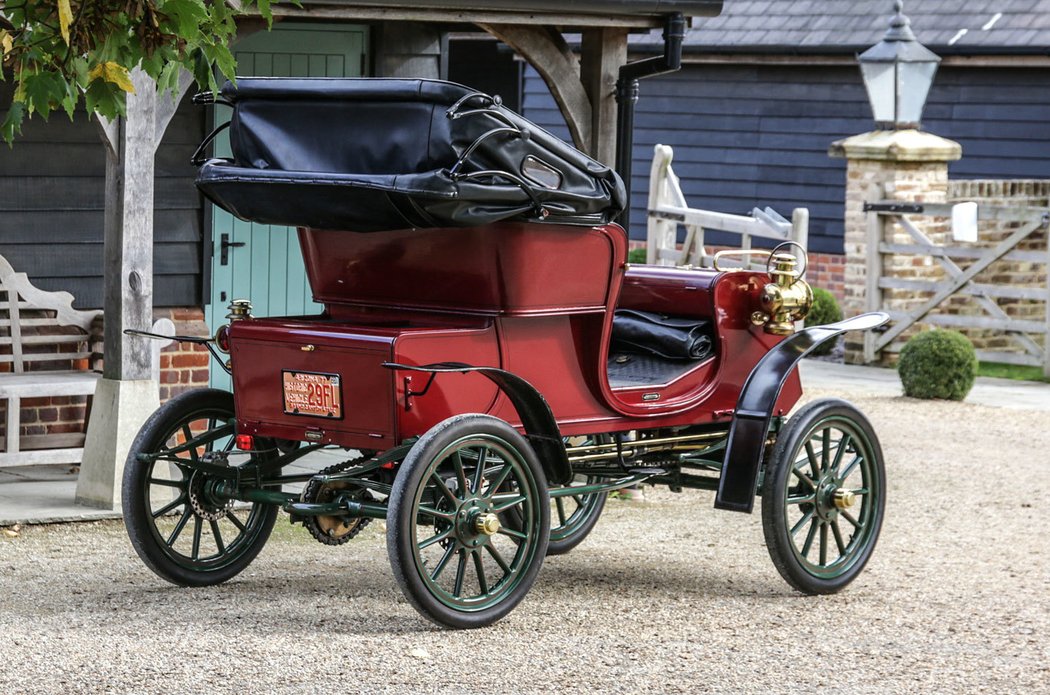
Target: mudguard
{"points": [[541, 429], [754, 407]]}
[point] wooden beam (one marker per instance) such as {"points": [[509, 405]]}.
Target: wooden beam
{"points": [[444, 16], [602, 52], [546, 50], [168, 104], [128, 298]]}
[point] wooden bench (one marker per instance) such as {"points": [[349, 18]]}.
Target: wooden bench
{"points": [[43, 341]]}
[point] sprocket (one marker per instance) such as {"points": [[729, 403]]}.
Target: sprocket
{"points": [[333, 530]]}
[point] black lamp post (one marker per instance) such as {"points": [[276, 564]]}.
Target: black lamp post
{"points": [[898, 72]]}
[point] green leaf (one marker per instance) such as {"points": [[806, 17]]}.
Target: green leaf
{"points": [[187, 16], [12, 125], [105, 99], [44, 92]]}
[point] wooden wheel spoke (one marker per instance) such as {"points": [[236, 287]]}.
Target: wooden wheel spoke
{"points": [[498, 557], [181, 499], [852, 466], [461, 473], [506, 531], [195, 553], [505, 471], [479, 569], [480, 471], [838, 538], [217, 535], [806, 518], [823, 544], [810, 536], [443, 562], [801, 499], [236, 522], [804, 478], [825, 450], [849, 517], [436, 514], [502, 503], [461, 571], [180, 484], [181, 524], [436, 538], [812, 456], [188, 434], [842, 445], [443, 489]]}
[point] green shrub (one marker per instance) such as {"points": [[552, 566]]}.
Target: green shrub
{"points": [[636, 256], [938, 364], [825, 310]]}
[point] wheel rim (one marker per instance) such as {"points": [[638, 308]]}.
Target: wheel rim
{"points": [[831, 498], [465, 554], [571, 512], [194, 541]]}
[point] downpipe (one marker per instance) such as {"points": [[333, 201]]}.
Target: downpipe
{"points": [[627, 92]]}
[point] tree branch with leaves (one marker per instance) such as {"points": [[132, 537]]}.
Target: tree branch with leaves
{"points": [[59, 52]]}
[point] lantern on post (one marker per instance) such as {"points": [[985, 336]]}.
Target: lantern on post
{"points": [[898, 72]]}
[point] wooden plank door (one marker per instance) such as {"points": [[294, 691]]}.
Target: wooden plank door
{"points": [[263, 263]]}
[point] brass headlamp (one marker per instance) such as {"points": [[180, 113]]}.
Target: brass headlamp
{"points": [[788, 298]]}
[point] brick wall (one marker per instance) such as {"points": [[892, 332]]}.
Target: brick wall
{"points": [[183, 367]]}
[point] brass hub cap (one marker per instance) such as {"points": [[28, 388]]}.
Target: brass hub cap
{"points": [[487, 524], [844, 499]]}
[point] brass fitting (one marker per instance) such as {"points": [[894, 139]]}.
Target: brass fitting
{"points": [[487, 524], [844, 499], [239, 309], [785, 300]]}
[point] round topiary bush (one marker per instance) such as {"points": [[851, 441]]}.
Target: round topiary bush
{"points": [[636, 256], [938, 364], [825, 310]]}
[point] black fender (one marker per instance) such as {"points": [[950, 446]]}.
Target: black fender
{"points": [[754, 407], [541, 429]]}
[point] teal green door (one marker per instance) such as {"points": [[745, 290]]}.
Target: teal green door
{"points": [[261, 262]]}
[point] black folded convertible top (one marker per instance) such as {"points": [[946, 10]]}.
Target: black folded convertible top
{"points": [[379, 154]]}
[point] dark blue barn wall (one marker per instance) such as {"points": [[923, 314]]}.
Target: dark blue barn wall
{"points": [[747, 136]]}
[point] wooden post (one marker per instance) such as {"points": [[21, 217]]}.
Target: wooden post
{"points": [[603, 51], [127, 394], [873, 271]]}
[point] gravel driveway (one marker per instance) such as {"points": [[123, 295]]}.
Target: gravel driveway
{"points": [[667, 595]]}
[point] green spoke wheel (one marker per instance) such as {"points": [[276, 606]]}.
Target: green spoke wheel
{"points": [[574, 517], [823, 497], [455, 559], [180, 529]]}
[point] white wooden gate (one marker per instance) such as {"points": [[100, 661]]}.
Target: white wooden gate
{"points": [[668, 209], [958, 280]]}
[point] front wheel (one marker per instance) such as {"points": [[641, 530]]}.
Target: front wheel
{"points": [[823, 497], [180, 529], [456, 561]]}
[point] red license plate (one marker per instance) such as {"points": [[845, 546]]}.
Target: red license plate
{"points": [[313, 394]]}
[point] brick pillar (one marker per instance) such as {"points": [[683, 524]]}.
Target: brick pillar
{"points": [[905, 165]]}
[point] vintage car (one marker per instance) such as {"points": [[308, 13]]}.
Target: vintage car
{"points": [[488, 361]]}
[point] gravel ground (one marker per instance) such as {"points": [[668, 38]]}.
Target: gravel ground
{"points": [[667, 595]]}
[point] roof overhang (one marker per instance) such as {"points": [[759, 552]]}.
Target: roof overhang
{"points": [[560, 13]]}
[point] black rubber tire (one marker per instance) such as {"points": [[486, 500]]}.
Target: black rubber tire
{"points": [[141, 527], [560, 546], [402, 518], [775, 524]]}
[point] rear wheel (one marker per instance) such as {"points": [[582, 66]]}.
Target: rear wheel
{"points": [[181, 530], [823, 497], [455, 560], [573, 517]]}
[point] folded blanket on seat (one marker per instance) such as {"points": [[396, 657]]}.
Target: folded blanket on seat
{"points": [[670, 337]]}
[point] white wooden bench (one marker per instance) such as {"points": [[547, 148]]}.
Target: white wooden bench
{"points": [[42, 339]]}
